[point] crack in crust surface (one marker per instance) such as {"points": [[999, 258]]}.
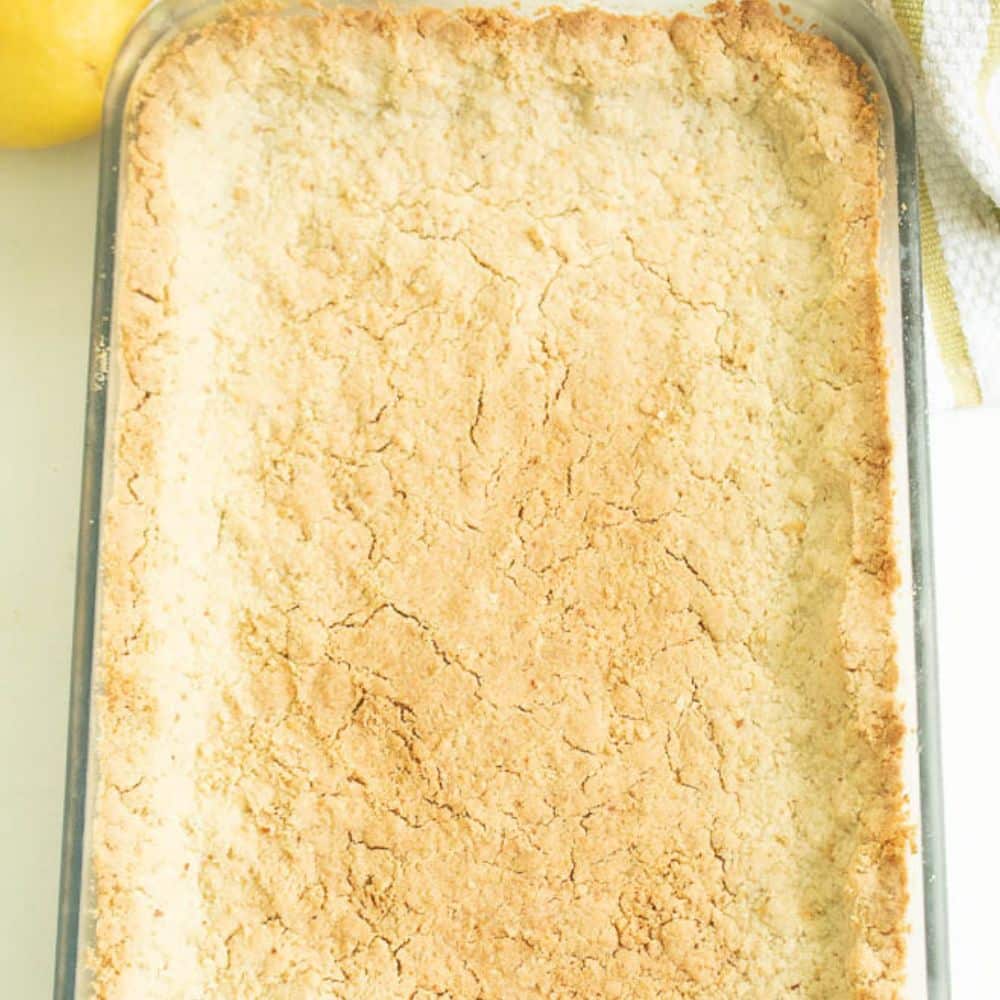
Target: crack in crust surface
{"points": [[497, 570]]}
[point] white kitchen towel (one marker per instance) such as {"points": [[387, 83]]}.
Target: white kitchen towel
{"points": [[955, 47]]}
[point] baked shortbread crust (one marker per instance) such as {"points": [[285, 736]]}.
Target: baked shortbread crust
{"points": [[497, 571]]}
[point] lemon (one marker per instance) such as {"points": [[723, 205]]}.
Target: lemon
{"points": [[54, 58]]}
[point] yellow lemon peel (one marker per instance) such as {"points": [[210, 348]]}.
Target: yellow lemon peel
{"points": [[55, 56]]}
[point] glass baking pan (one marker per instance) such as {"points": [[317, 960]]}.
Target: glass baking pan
{"points": [[853, 27]]}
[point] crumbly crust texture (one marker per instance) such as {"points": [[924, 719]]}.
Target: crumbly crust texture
{"points": [[497, 568]]}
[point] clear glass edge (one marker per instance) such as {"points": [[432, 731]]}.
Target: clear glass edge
{"points": [[884, 53]]}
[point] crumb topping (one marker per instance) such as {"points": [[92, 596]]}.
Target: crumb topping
{"points": [[497, 571]]}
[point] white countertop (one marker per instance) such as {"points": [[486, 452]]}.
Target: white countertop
{"points": [[47, 211]]}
